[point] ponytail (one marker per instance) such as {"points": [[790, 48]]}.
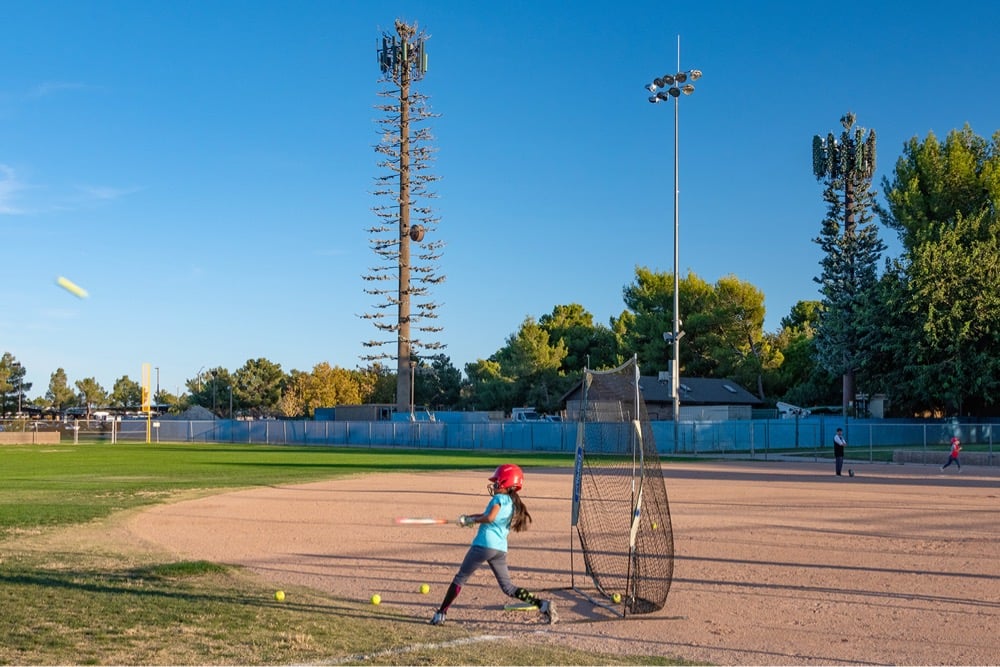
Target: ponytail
{"points": [[521, 518]]}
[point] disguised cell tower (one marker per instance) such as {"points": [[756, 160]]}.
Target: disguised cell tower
{"points": [[403, 252], [849, 239]]}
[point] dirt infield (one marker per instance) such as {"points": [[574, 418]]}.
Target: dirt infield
{"points": [[776, 563]]}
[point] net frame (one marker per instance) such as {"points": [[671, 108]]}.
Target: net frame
{"points": [[620, 521]]}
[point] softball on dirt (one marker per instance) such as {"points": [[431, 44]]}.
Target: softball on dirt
{"points": [[616, 598], [425, 589], [279, 596], [376, 599], [654, 525]]}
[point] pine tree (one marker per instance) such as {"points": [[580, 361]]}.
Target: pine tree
{"points": [[851, 248]]}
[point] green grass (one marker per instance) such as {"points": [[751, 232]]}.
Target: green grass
{"points": [[43, 486], [65, 602]]}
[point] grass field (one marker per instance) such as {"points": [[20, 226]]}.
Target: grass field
{"points": [[69, 596]]}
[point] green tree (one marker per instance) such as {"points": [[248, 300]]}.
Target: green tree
{"points": [[533, 362], [377, 384], [438, 383], [59, 395], [257, 388], [12, 385], [488, 388], [126, 393], [936, 326], [799, 380], [735, 334], [934, 183], [525, 371], [175, 404], [946, 350], [91, 393], [211, 390], [649, 313], [587, 344], [851, 250]]}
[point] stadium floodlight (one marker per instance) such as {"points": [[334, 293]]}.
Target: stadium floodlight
{"points": [[674, 337]]}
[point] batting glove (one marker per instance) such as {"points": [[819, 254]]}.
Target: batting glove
{"points": [[465, 521]]}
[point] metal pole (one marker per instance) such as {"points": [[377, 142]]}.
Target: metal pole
{"points": [[675, 379], [673, 85]]}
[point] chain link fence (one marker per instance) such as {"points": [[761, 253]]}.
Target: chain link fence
{"points": [[757, 438]]}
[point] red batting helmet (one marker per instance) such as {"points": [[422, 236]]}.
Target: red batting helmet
{"points": [[508, 477]]}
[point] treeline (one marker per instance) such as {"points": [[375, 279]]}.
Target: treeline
{"points": [[537, 364], [925, 330]]}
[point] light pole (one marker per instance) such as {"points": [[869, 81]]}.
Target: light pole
{"points": [[663, 89]]}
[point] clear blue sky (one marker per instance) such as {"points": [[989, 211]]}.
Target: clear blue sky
{"points": [[204, 169]]}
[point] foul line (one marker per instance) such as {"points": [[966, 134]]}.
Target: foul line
{"points": [[416, 647]]}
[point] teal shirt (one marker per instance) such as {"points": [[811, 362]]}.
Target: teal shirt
{"points": [[494, 535]]}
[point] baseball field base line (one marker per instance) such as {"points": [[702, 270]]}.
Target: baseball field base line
{"points": [[354, 659]]}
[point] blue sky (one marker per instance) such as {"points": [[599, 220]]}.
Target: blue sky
{"points": [[204, 169]]}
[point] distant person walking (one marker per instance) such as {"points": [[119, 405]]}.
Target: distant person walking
{"points": [[956, 447], [838, 449]]}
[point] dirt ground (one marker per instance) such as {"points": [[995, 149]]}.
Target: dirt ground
{"points": [[777, 563]]}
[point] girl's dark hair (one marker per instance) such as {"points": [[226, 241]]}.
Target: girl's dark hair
{"points": [[520, 519]]}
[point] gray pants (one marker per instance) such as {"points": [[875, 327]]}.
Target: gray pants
{"points": [[497, 561]]}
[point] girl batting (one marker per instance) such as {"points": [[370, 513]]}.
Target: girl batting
{"points": [[504, 512]]}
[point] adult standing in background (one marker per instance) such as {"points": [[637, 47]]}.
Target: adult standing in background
{"points": [[838, 449]]}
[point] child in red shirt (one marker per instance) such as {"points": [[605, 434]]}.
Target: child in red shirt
{"points": [[956, 447]]}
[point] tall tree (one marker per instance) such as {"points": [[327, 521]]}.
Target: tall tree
{"points": [[257, 387], [525, 371], [211, 390], [12, 384], [533, 361], [59, 394], [799, 380], [126, 393], [649, 303], [851, 249], [587, 344], [937, 324], [438, 383], [488, 388], [738, 343], [940, 348], [92, 394], [934, 183], [377, 384]]}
